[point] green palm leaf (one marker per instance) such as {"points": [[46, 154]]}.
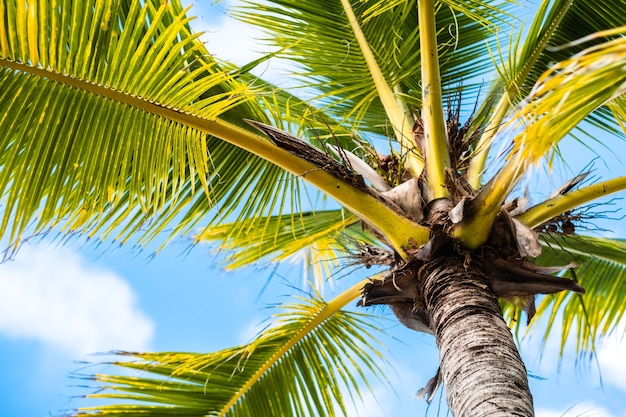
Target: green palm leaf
{"points": [[154, 133], [323, 240], [600, 267], [301, 366], [562, 98], [574, 80], [580, 19], [602, 271], [327, 56], [248, 241], [111, 165], [555, 24]]}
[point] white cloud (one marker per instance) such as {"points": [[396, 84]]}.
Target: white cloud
{"points": [[251, 330], [51, 295], [219, 41], [609, 351], [612, 360], [377, 404], [224, 36], [577, 410], [237, 42]]}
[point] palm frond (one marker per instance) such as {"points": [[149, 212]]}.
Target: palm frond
{"points": [[602, 272], [521, 59], [581, 19], [598, 264], [248, 242], [161, 136], [486, 13], [562, 98], [322, 241], [395, 109], [562, 203], [302, 366], [618, 108], [568, 92], [288, 112], [76, 168], [327, 56], [557, 23]]}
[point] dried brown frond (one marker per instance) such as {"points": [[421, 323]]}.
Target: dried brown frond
{"points": [[310, 154]]}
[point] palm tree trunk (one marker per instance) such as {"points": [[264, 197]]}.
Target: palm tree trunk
{"points": [[481, 368]]}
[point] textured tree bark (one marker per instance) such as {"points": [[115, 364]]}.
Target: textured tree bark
{"points": [[481, 368]]}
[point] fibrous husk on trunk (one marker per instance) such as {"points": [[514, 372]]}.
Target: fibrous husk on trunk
{"points": [[480, 365]]}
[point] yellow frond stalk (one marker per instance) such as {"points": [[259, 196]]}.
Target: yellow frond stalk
{"points": [[395, 108], [435, 133], [479, 159], [475, 230], [543, 212]]}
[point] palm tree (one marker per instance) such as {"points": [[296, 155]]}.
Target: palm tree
{"points": [[117, 123]]}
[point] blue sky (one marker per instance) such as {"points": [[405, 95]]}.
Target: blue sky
{"points": [[60, 304]]}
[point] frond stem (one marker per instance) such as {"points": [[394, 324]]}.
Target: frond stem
{"points": [[479, 159], [474, 231], [543, 212], [395, 108], [435, 132]]}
